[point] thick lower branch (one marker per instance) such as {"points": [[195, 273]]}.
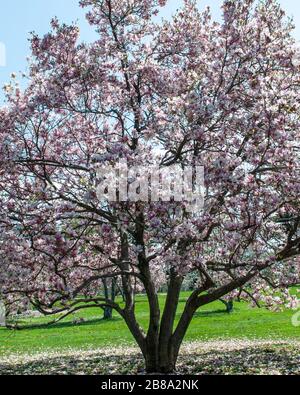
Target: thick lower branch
{"points": [[196, 301]]}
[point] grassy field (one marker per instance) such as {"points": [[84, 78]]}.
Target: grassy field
{"points": [[210, 323]]}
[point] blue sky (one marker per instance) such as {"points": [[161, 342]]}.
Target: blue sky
{"points": [[19, 17]]}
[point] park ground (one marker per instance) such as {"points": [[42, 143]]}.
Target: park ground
{"points": [[248, 341]]}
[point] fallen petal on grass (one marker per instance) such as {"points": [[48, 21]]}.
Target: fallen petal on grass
{"points": [[234, 357]]}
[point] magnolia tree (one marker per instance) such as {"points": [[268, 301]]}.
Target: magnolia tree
{"points": [[185, 92]]}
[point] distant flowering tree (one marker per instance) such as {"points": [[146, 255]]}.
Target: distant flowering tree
{"points": [[188, 91]]}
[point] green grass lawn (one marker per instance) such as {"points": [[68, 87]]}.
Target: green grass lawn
{"points": [[211, 322]]}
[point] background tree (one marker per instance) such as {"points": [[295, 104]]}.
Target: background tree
{"points": [[181, 92]]}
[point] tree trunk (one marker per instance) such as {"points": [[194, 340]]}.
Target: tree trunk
{"points": [[2, 314], [229, 305], [110, 293], [161, 361], [108, 313], [162, 343], [169, 366]]}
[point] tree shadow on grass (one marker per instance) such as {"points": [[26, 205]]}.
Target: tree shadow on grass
{"points": [[89, 365], [66, 324], [251, 360], [258, 360], [211, 313]]}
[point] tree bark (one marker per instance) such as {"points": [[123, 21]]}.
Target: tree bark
{"points": [[2, 314], [229, 305], [108, 313], [110, 294], [160, 354], [160, 363], [167, 355]]}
